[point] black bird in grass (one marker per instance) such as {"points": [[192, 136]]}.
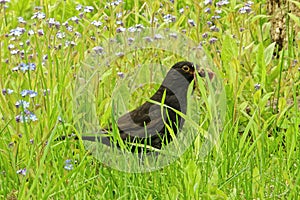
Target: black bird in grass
{"points": [[151, 124]]}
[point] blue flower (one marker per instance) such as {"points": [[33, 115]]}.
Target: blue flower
{"points": [[22, 171], [207, 10], [17, 32], [120, 29], [25, 67], [3, 2], [38, 15], [114, 3], [31, 66], [59, 119], [98, 49], [79, 7], [21, 118], [119, 22], [119, 15], [215, 17], [218, 11], [245, 9], [169, 18], [22, 103], [70, 28], [60, 35], [40, 32], [148, 39], [30, 93], [45, 92], [26, 116], [120, 54], [204, 35], [31, 141], [21, 20], [10, 46], [206, 2], [23, 93], [68, 165], [96, 23], [74, 19], [257, 86], [191, 22], [158, 37], [120, 74], [70, 43], [32, 117], [88, 9], [214, 28], [139, 27], [30, 32], [7, 91], [132, 29], [249, 3], [173, 35], [14, 52], [212, 40], [221, 3], [130, 40]]}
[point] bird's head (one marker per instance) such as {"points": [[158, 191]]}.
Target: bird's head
{"points": [[188, 70]]}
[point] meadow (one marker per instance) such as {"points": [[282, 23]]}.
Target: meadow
{"points": [[45, 47]]}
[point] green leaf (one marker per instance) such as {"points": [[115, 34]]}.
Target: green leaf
{"points": [[259, 17], [264, 100], [260, 56], [295, 18], [274, 73], [260, 68], [229, 49], [268, 53], [257, 96], [296, 3]]}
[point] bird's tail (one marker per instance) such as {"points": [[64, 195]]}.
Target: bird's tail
{"points": [[100, 136]]}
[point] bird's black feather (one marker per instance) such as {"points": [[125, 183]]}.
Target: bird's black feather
{"points": [[148, 123]]}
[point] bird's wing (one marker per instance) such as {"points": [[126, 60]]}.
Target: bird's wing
{"points": [[143, 122]]}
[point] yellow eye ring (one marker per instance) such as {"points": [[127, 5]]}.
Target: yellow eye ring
{"points": [[185, 68]]}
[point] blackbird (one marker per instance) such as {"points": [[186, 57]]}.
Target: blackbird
{"points": [[152, 123]]}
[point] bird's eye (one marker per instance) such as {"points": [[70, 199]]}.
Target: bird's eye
{"points": [[185, 68]]}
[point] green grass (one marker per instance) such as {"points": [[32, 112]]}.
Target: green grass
{"points": [[257, 155]]}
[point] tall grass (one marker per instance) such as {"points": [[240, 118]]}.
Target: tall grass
{"points": [[257, 154]]}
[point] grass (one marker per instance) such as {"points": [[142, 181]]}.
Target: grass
{"points": [[256, 156]]}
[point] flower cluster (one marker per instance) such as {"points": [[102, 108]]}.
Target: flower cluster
{"points": [[246, 9], [213, 12], [25, 115], [24, 67], [29, 93]]}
